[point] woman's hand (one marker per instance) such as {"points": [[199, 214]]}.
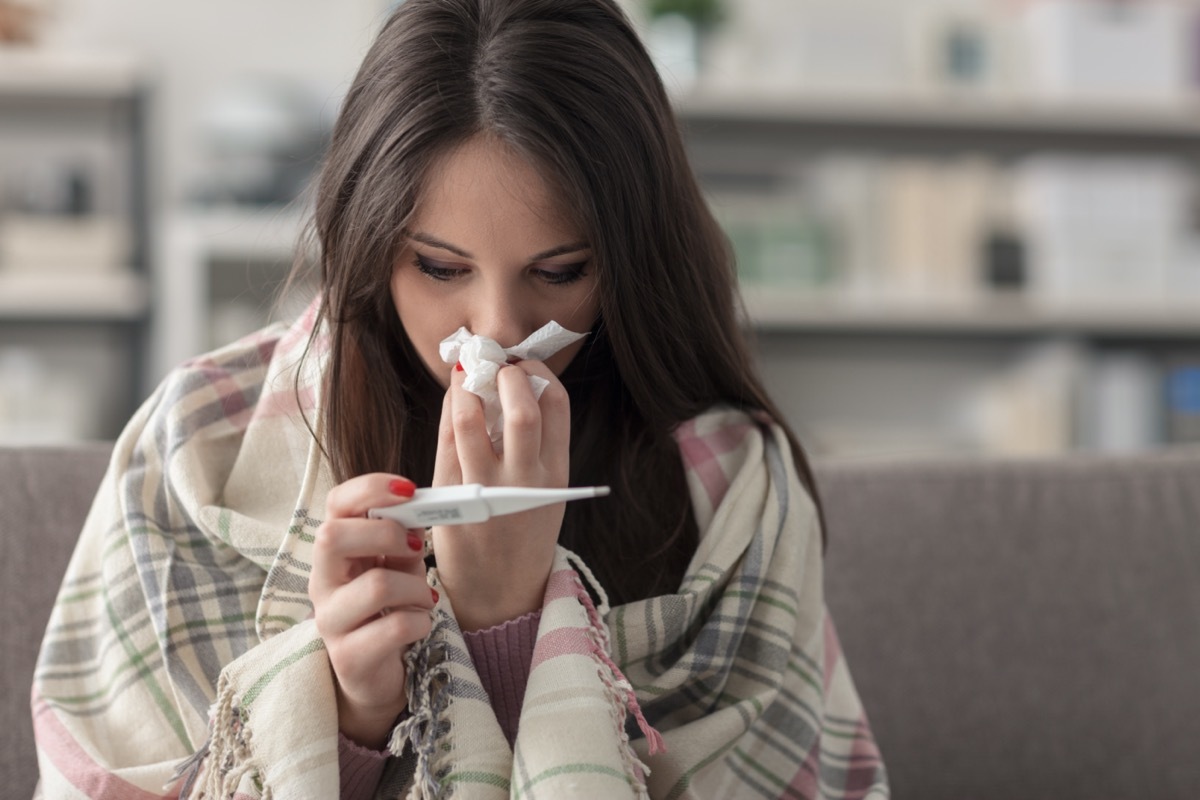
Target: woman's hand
{"points": [[497, 570], [371, 601]]}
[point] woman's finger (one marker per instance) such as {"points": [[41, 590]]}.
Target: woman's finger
{"points": [[378, 643], [358, 495], [375, 592], [446, 469], [398, 628], [476, 457], [342, 546], [555, 408], [367, 538], [522, 419]]}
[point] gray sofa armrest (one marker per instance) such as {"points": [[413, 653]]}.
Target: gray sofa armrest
{"points": [[45, 494]]}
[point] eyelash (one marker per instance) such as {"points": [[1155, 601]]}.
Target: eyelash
{"points": [[570, 273]]}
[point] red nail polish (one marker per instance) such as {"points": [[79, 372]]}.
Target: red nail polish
{"points": [[402, 487], [415, 542], [458, 367], [435, 595]]}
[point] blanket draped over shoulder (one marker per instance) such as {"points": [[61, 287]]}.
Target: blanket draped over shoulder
{"points": [[182, 659]]}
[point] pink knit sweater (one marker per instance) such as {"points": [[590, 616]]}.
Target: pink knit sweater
{"points": [[502, 656]]}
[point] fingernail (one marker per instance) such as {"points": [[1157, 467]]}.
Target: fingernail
{"points": [[415, 542], [435, 595], [458, 366], [402, 487]]}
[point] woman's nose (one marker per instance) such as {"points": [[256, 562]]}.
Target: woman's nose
{"points": [[500, 317]]}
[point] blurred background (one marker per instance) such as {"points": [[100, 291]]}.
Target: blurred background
{"points": [[962, 226]]}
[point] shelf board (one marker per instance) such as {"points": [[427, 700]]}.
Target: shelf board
{"points": [[981, 314], [62, 297], [1028, 116], [33, 74], [242, 232]]}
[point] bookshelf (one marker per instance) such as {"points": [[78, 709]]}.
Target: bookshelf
{"points": [[875, 362], [75, 231], [861, 370]]}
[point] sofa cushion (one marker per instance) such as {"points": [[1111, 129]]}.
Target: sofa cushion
{"points": [[1023, 630], [45, 494]]}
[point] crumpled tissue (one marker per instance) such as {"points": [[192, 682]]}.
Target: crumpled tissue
{"points": [[482, 358]]}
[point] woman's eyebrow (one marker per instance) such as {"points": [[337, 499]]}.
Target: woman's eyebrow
{"points": [[433, 241], [562, 250]]}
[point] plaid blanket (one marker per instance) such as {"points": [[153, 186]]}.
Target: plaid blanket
{"points": [[181, 658]]}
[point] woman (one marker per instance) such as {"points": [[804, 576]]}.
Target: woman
{"points": [[233, 623]]}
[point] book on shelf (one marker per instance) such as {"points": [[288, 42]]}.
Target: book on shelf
{"points": [[1183, 401], [1105, 226], [1059, 229]]}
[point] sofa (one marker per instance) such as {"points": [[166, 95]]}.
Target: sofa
{"points": [[1017, 629]]}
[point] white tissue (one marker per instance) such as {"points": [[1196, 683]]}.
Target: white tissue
{"points": [[482, 358]]}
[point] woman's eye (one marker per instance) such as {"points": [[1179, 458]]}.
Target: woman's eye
{"points": [[568, 273], [435, 270]]}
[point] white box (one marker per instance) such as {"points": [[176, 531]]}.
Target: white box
{"points": [[1122, 404], [1109, 48], [1102, 227]]}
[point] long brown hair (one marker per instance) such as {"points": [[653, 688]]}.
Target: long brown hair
{"points": [[567, 84]]}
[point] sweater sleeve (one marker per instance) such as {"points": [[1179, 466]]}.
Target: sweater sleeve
{"points": [[502, 656], [360, 769]]}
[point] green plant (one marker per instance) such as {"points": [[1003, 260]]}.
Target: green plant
{"points": [[702, 13]]}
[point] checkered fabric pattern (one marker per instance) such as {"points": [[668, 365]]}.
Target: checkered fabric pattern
{"points": [[181, 657]]}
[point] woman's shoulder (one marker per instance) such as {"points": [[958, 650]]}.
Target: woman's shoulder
{"points": [[233, 373], [222, 389], [720, 429], [226, 370], [717, 445], [249, 352]]}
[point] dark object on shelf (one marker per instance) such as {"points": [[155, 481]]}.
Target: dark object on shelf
{"points": [[964, 56], [1004, 261], [79, 194], [54, 190]]}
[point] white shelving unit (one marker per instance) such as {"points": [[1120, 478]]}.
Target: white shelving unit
{"points": [[881, 372], [72, 337], [858, 374]]}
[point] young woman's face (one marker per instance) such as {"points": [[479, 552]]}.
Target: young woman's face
{"points": [[490, 249]]}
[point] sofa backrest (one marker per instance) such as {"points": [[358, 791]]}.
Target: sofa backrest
{"points": [[45, 494], [1016, 629], [1023, 630]]}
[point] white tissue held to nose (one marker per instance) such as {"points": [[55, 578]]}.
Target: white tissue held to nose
{"points": [[482, 358]]}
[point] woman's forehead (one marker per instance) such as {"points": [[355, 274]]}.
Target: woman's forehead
{"points": [[486, 187]]}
